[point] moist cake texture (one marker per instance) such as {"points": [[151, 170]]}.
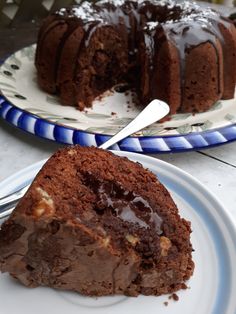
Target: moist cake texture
{"points": [[98, 224]]}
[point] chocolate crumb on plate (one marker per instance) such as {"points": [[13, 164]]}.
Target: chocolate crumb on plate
{"points": [[174, 297]]}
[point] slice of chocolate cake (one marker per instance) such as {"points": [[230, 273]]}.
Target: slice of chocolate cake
{"points": [[97, 224]]}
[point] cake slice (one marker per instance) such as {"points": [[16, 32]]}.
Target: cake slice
{"points": [[98, 224]]}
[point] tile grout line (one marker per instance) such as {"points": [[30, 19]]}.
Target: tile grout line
{"points": [[215, 158]]}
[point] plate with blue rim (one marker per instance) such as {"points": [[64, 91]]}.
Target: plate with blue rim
{"points": [[211, 289], [25, 106]]}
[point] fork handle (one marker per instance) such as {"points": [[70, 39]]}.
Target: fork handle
{"points": [[6, 212], [154, 111], [13, 197]]}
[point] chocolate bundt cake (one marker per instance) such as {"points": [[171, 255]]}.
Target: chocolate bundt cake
{"points": [[177, 52], [98, 224]]}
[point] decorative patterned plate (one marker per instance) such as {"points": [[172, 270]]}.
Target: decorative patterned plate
{"points": [[211, 288], [24, 105]]}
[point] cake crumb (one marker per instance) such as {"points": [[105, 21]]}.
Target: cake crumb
{"points": [[71, 152], [113, 113], [132, 239], [174, 297], [184, 286], [165, 245], [166, 303]]}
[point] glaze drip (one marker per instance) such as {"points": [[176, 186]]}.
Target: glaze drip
{"points": [[149, 44], [149, 15], [126, 205]]}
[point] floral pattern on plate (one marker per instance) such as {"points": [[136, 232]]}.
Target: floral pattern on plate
{"points": [[109, 114]]}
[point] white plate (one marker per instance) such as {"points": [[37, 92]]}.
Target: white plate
{"points": [[212, 287]]}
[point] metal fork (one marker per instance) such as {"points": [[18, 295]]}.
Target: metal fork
{"points": [[155, 111]]}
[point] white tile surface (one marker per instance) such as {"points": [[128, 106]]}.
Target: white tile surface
{"points": [[218, 177], [226, 153]]}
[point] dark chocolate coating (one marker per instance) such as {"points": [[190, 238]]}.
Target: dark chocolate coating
{"points": [[141, 30]]}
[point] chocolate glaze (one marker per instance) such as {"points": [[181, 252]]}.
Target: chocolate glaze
{"points": [[149, 23], [189, 40], [88, 27], [42, 35], [150, 47], [186, 36], [126, 205], [72, 25], [79, 243], [173, 18], [106, 13]]}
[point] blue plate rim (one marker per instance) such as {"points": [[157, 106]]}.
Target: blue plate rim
{"points": [[146, 144]]}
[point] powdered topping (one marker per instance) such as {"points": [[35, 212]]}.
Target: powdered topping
{"points": [[62, 11], [151, 25], [176, 12], [194, 13], [85, 11], [117, 3], [169, 4], [181, 12]]}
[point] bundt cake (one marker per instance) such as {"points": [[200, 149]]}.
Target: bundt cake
{"points": [[177, 52], [98, 224]]}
